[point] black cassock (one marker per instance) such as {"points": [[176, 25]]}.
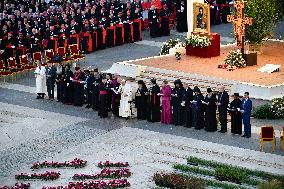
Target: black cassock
{"points": [[154, 113], [187, 97], [136, 31], [181, 16], [96, 92], [101, 44], [236, 116], [178, 109], [103, 98], [109, 94], [141, 103], [210, 113], [110, 37], [60, 85], [165, 29], [198, 112], [118, 34], [68, 88], [89, 90], [154, 23], [78, 89]]}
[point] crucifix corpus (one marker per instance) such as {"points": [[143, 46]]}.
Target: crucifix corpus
{"points": [[240, 22]]}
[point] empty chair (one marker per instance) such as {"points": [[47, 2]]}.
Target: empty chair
{"points": [[267, 134]]}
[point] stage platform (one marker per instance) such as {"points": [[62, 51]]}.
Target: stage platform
{"points": [[204, 72]]}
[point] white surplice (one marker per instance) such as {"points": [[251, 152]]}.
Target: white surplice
{"points": [[40, 74], [126, 97]]}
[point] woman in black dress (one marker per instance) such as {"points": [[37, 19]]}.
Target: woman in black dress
{"points": [[210, 111], [236, 115]]}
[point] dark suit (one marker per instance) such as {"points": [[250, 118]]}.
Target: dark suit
{"points": [[247, 107], [223, 99], [50, 80]]}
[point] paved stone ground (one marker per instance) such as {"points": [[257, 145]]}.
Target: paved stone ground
{"points": [[36, 130]]}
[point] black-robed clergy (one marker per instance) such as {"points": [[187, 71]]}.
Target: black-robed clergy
{"points": [[236, 115], [165, 14], [141, 100], [154, 114], [89, 86], [60, 82], [187, 98], [197, 109], [68, 86], [103, 98], [78, 81], [178, 109], [109, 91], [210, 111], [181, 16], [154, 22], [95, 90]]}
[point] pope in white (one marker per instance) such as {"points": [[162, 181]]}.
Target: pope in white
{"points": [[40, 74], [125, 108]]}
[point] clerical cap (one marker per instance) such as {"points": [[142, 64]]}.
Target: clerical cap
{"points": [[141, 82], [153, 81], [209, 90], [236, 94], [178, 81], [196, 89]]}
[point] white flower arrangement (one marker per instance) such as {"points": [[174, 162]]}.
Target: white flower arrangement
{"points": [[277, 107], [235, 59], [171, 43], [197, 41]]}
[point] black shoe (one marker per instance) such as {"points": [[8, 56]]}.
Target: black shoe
{"points": [[244, 135], [224, 131], [38, 97], [248, 136]]}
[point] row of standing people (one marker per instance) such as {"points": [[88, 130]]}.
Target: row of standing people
{"points": [[180, 105]]}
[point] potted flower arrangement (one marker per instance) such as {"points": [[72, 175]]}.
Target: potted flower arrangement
{"points": [[171, 43], [233, 60], [197, 41], [197, 46]]}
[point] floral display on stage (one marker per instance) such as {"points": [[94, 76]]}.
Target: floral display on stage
{"points": [[112, 164], [76, 163], [197, 41], [17, 186], [105, 173], [171, 43], [41, 176], [277, 107], [109, 184], [233, 61]]}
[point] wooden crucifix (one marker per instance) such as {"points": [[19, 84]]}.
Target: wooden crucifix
{"points": [[240, 22]]}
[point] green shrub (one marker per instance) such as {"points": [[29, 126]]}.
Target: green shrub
{"points": [[265, 16], [272, 184], [263, 112], [231, 174], [177, 181]]}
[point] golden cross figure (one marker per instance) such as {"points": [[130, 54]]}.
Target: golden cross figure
{"points": [[240, 22]]}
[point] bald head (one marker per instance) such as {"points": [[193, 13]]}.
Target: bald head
{"points": [[221, 88]]}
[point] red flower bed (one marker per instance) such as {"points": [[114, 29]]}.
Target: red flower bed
{"points": [[105, 173], [17, 186], [112, 164], [110, 184], [76, 163], [43, 176]]}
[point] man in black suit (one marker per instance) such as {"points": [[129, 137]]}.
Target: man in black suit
{"points": [[50, 80], [223, 101]]}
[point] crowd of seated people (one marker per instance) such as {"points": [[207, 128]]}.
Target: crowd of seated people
{"points": [[34, 26]]}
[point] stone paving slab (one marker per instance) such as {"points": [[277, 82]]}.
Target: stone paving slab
{"points": [[149, 152]]}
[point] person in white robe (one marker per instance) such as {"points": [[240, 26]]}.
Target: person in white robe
{"points": [[126, 91], [40, 74]]}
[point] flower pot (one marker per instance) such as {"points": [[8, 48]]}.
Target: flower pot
{"points": [[255, 48]]}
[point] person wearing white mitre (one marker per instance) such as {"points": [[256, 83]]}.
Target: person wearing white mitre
{"points": [[40, 74], [126, 91]]}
